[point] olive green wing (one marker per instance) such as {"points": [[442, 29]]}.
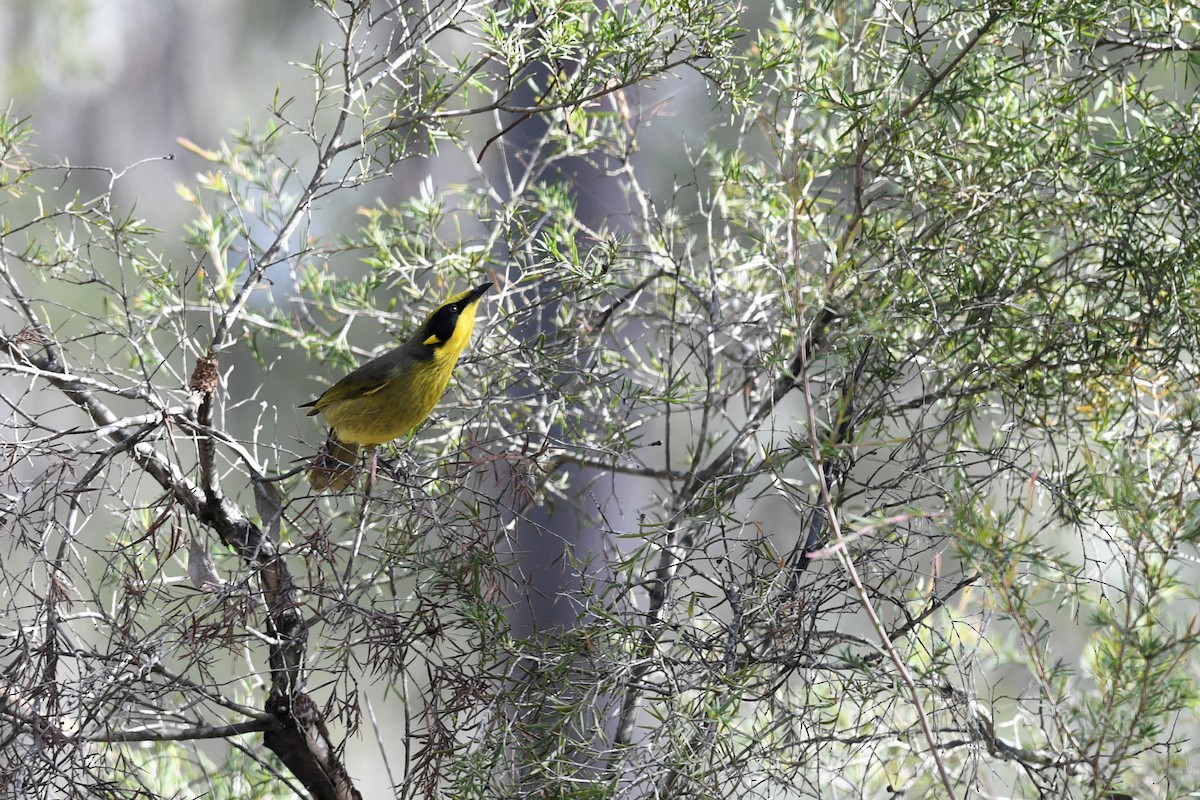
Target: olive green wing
{"points": [[364, 381]]}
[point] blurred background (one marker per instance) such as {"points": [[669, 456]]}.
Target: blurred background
{"points": [[114, 82]]}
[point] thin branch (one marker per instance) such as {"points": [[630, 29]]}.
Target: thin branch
{"points": [[659, 585], [852, 571], [168, 734]]}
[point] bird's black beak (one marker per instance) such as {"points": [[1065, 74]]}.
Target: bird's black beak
{"points": [[478, 292]]}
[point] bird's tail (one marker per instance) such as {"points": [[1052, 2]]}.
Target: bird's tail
{"points": [[336, 466]]}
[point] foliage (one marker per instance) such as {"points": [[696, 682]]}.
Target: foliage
{"points": [[852, 454]]}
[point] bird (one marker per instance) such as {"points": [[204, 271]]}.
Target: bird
{"points": [[391, 395]]}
